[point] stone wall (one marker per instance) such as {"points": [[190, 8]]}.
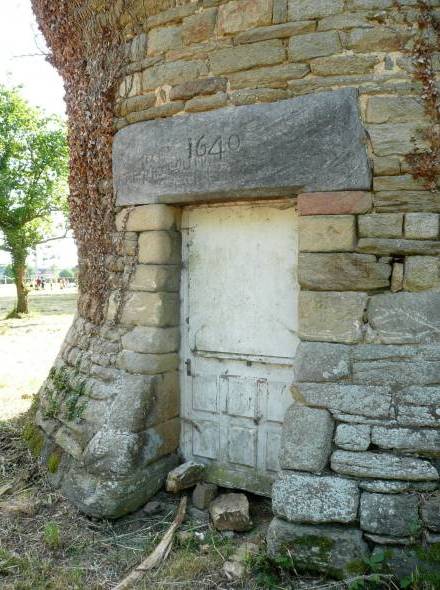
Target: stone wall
{"points": [[367, 377]]}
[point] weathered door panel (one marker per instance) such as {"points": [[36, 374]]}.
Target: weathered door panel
{"points": [[239, 322]]}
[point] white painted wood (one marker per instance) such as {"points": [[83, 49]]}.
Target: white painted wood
{"points": [[239, 324]]}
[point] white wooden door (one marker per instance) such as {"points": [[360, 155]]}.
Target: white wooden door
{"points": [[239, 325]]}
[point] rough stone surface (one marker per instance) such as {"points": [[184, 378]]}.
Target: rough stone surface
{"points": [[353, 437], [203, 494], [422, 226], [381, 225], [319, 361], [306, 438], [199, 27], [150, 309], [304, 47], [272, 76], [406, 440], [303, 9], [146, 218], [163, 39], [421, 273], [404, 318], [230, 512], [318, 547], [334, 203], [342, 65], [384, 487], [158, 247], [171, 73], [431, 512], [331, 316], [389, 514], [382, 465], [184, 476], [154, 278], [243, 57], [300, 497], [146, 364], [300, 150], [324, 233], [366, 400], [275, 32], [240, 15], [342, 272], [153, 340]]}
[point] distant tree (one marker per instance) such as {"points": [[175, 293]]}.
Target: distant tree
{"points": [[66, 273], [33, 181]]}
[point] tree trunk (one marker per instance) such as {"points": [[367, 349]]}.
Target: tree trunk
{"points": [[19, 266]]}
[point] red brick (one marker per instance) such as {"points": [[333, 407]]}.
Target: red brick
{"points": [[335, 203]]}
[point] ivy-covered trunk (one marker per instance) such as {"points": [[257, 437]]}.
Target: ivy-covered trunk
{"points": [[19, 266]]}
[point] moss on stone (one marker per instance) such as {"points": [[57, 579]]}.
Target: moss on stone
{"points": [[34, 438], [53, 461]]}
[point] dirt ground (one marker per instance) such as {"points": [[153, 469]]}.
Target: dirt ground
{"points": [[29, 346]]}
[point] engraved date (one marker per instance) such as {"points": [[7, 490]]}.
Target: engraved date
{"points": [[216, 147]]}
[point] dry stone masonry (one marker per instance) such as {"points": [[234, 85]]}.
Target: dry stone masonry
{"points": [[313, 101]]}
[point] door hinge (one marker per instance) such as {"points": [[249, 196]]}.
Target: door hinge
{"points": [[188, 367]]}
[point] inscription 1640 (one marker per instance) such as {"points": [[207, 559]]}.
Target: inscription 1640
{"points": [[311, 143]]}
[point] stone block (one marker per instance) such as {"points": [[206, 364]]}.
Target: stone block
{"points": [[150, 309], [152, 340], [397, 277], [381, 465], [362, 400], [275, 32], [172, 73], [243, 57], [153, 277], [336, 203], [398, 247], [422, 226], [306, 438], [206, 103], [431, 512], [165, 399], [321, 362], [421, 200], [160, 440], [203, 494], [407, 440], [344, 20], [192, 88], [389, 514], [199, 27], [381, 486], [279, 12], [303, 9], [403, 182], [331, 316], [317, 547], [377, 38], [159, 247], [327, 233], [112, 452], [147, 218], [171, 15], [103, 497], [305, 47], [240, 15], [230, 512], [396, 365], [314, 141], [405, 318], [163, 39], [353, 437], [395, 138], [137, 103], [251, 96], [342, 272], [185, 476], [386, 165], [381, 225], [343, 65], [394, 109], [299, 497], [421, 273], [273, 76], [146, 364]]}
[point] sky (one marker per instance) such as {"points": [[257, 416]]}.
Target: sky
{"points": [[22, 62]]}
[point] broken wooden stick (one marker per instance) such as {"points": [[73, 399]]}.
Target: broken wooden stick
{"points": [[159, 554]]}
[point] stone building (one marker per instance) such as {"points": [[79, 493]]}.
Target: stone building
{"points": [[273, 303]]}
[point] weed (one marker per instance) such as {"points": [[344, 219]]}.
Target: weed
{"points": [[52, 535]]}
